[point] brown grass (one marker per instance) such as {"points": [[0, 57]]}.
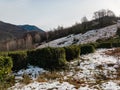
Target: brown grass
{"points": [[49, 76], [26, 79], [115, 52]]}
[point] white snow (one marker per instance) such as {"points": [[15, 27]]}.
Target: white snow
{"points": [[110, 86], [89, 67], [46, 86], [32, 71], [90, 36]]}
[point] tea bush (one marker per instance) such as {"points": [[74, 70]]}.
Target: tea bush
{"points": [[86, 49], [72, 52], [49, 58], [19, 59]]}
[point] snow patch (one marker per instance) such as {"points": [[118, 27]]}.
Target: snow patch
{"points": [[110, 86], [32, 71]]}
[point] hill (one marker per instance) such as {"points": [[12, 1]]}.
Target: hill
{"points": [[82, 38], [13, 37], [31, 28], [9, 31]]}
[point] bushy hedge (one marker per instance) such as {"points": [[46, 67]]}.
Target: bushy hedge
{"points": [[19, 59], [72, 52], [104, 45], [86, 49], [115, 44], [5, 67], [95, 44], [49, 58]]}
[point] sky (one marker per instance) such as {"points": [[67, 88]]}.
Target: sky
{"points": [[48, 14]]}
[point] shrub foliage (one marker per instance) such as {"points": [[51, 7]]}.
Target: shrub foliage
{"points": [[6, 78], [5, 67], [72, 52], [104, 45], [49, 58], [85, 49], [19, 59]]}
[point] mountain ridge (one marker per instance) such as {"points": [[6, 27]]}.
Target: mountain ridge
{"points": [[10, 31], [28, 28]]}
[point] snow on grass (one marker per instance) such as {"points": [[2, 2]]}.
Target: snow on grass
{"points": [[32, 71], [96, 71], [86, 88], [96, 64], [45, 86], [90, 36], [110, 86]]}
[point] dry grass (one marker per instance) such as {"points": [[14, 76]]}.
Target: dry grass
{"points": [[26, 79], [49, 76], [76, 83]]}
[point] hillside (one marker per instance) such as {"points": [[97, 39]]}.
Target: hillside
{"points": [[31, 28], [10, 31], [13, 37], [97, 70], [88, 37]]}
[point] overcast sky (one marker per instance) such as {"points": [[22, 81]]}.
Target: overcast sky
{"points": [[48, 14]]}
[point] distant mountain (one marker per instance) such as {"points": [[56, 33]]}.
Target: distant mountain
{"points": [[31, 28], [9, 31]]}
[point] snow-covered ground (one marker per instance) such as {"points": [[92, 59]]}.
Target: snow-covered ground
{"points": [[96, 71], [90, 36], [32, 71]]}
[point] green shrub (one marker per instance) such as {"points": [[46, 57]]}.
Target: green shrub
{"points": [[19, 59], [115, 44], [3, 53], [5, 64], [49, 58], [94, 44], [86, 49], [8, 81], [72, 52], [5, 67], [104, 45]]}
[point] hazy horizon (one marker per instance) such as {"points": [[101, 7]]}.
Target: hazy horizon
{"points": [[48, 14]]}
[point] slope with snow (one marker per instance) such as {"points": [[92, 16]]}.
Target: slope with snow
{"points": [[90, 36]]}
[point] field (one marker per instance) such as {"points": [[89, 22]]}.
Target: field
{"points": [[95, 71]]}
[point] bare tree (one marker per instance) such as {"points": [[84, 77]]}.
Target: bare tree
{"points": [[102, 13], [37, 38], [110, 13], [28, 40], [99, 14], [84, 19]]}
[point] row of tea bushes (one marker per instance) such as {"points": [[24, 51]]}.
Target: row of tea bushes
{"points": [[47, 57], [108, 44], [51, 58]]}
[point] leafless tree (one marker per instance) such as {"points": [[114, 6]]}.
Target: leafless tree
{"points": [[84, 19]]}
